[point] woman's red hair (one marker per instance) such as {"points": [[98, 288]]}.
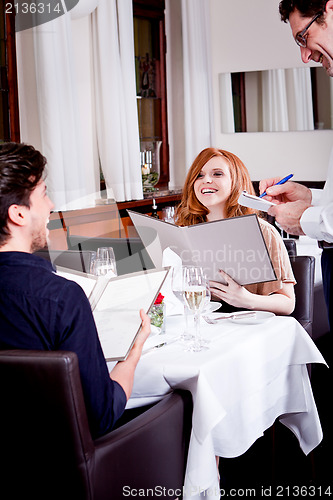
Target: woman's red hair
{"points": [[190, 211]]}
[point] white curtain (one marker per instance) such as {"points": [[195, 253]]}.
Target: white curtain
{"points": [[226, 103], [115, 99], [287, 100], [197, 78], [83, 8], [299, 92], [61, 139], [61, 130], [274, 99]]}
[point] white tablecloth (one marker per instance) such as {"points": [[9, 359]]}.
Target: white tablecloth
{"points": [[249, 376]]}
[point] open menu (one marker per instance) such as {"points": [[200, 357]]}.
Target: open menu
{"points": [[235, 245], [116, 303]]}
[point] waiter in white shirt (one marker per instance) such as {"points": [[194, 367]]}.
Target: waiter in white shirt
{"points": [[301, 210]]}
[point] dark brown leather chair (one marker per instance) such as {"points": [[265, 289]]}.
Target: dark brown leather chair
{"points": [[290, 245], [304, 268], [130, 253], [78, 260], [46, 447]]}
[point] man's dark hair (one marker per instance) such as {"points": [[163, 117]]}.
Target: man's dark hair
{"points": [[308, 8], [21, 169]]}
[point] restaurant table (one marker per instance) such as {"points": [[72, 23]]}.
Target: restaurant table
{"points": [[250, 375]]}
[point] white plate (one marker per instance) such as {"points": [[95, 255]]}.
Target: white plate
{"points": [[211, 307], [260, 317]]}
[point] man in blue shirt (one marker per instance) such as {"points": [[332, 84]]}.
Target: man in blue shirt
{"points": [[40, 310]]}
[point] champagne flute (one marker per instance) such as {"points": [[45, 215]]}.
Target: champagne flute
{"points": [[205, 342], [208, 297], [177, 286], [195, 288]]}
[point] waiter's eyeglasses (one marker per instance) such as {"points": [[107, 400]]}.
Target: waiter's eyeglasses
{"points": [[301, 36]]}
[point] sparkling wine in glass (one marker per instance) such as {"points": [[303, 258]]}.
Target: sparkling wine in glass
{"points": [[195, 290]]}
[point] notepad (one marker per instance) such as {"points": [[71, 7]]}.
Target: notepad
{"points": [[235, 245], [251, 201], [116, 303]]}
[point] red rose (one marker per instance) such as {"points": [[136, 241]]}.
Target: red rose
{"points": [[159, 299]]}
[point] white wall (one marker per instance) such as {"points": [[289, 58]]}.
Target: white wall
{"points": [[249, 36], [305, 154]]}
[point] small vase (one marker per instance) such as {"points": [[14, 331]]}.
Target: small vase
{"points": [[150, 165], [157, 315]]}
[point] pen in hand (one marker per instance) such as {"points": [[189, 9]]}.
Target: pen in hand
{"points": [[282, 181]]}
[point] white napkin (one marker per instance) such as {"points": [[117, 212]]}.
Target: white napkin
{"points": [[172, 304]]}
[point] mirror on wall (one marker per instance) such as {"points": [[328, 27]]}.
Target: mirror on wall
{"points": [[276, 100]]}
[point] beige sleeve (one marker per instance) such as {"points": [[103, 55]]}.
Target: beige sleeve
{"points": [[280, 260]]}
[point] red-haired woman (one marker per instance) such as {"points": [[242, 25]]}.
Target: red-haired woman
{"points": [[211, 191]]}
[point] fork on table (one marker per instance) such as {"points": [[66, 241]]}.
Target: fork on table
{"points": [[236, 315]]}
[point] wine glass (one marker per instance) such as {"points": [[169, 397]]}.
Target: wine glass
{"points": [[177, 286], [105, 263], [168, 214], [101, 267], [195, 289], [205, 342], [107, 253], [208, 297]]}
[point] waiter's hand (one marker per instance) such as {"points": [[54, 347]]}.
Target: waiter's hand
{"points": [[283, 193], [288, 216]]}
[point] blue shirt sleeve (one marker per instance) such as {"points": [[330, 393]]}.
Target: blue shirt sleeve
{"points": [[76, 331]]}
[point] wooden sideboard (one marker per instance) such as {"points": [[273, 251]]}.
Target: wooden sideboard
{"points": [[105, 219]]}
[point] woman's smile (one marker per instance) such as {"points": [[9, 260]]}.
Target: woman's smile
{"points": [[209, 190]]}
